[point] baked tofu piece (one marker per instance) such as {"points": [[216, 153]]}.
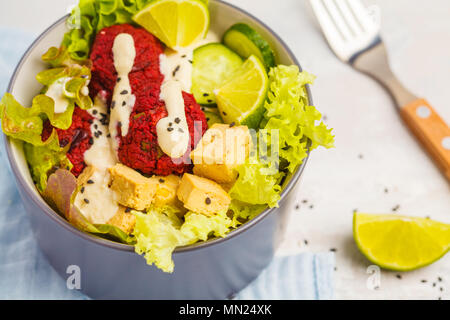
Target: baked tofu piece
{"points": [[202, 195], [166, 190], [221, 150], [132, 189], [123, 220]]}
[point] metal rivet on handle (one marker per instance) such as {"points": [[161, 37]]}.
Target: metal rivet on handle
{"points": [[423, 112], [446, 143]]}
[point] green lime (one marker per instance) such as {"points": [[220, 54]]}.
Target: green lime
{"points": [[213, 64], [177, 23], [246, 42], [241, 99], [400, 243]]}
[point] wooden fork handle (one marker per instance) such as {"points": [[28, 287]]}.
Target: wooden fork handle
{"points": [[431, 130]]}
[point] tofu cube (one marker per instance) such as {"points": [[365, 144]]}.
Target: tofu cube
{"points": [[166, 190], [202, 195], [222, 149], [132, 189], [123, 220]]}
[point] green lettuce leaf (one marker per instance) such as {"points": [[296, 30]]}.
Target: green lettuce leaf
{"points": [[297, 125], [44, 159], [60, 193], [159, 232]]}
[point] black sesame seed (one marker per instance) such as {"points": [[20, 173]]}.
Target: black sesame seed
{"points": [[304, 201], [170, 129], [95, 126], [441, 289], [96, 134], [82, 190], [94, 111], [127, 210], [85, 76], [108, 135], [396, 208], [91, 141], [90, 121], [434, 284], [113, 104], [124, 92], [333, 249], [210, 101], [386, 190], [170, 124], [208, 200], [297, 207], [118, 79], [439, 279], [399, 276], [124, 104], [183, 56], [206, 94], [191, 62], [86, 200], [162, 180], [305, 241], [224, 113], [423, 281], [232, 124], [119, 124], [90, 181], [207, 119], [174, 73], [177, 120], [180, 130]]}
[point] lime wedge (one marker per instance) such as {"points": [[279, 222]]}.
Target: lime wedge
{"points": [[241, 99], [400, 243], [177, 23]]}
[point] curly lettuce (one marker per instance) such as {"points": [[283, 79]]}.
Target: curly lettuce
{"points": [[160, 231], [297, 124]]}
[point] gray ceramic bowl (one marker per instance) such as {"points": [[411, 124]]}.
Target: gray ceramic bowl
{"points": [[210, 270]]}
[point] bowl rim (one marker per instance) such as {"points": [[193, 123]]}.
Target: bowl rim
{"points": [[53, 215]]}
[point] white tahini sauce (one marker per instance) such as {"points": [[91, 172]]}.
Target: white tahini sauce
{"points": [[56, 92], [101, 205], [176, 66], [96, 202], [100, 154], [123, 100], [173, 131]]}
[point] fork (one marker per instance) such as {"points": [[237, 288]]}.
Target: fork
{"points": [[355, 38]]}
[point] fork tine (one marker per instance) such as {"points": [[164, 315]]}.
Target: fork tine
{"points": [[329, 29], [362, 15], [349, 17], [338, 19]]}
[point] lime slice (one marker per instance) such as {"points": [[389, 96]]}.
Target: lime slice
{"points": [[241, 99], [242, 39], [400, 243], [177, 23]]}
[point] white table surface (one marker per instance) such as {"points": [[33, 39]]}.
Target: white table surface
{"points": [[365, 123]]}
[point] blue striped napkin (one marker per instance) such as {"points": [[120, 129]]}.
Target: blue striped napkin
{"points": [[26, 274]]}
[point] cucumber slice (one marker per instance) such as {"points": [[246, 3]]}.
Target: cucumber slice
{"points": [[213, 64], [213, 118], [246, 42]]}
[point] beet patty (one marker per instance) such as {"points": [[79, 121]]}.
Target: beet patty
{"points": [[139, 148]]}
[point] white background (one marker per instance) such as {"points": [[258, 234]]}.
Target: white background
{"points": [[338, 181]]}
